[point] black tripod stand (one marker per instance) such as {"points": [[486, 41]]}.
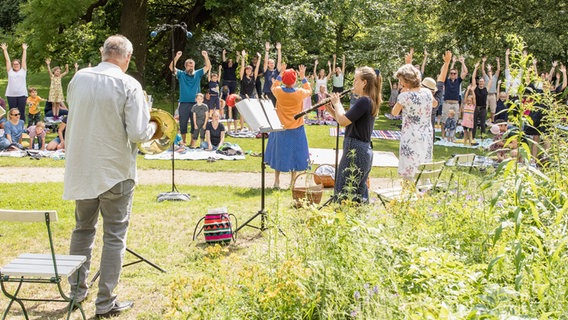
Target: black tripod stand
{"points": [[173, 195], [261, 212], [140, 259], [266, 121], [334, 196]]}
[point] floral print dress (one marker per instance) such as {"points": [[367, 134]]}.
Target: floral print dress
{"points": [[416, 133]]}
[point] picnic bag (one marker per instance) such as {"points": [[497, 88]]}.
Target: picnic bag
{"points": [[217, 226]]}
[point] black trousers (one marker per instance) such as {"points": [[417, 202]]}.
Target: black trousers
{"points": [[479, 118]]}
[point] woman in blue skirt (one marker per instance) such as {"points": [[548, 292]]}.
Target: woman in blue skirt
{"points": [[287, 151]]}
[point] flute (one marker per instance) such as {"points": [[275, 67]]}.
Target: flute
{"points": [[321, 103]]}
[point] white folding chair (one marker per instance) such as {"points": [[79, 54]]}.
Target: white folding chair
{"points": [[38, 268]]}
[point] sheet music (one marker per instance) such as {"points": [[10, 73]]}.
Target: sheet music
{"points": [[271, 114], [259, 115]]}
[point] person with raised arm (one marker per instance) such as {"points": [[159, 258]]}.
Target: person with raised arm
{"points": [[338, 75], [415, 103], [214, 91], [56, 96], [17, 90], [271, 70], [248, 77], [437, 89], [512, 78], [321, 76], [493, 89], [480, 91], [452, 89], [287, 150], [189, 86], [229, 75]]}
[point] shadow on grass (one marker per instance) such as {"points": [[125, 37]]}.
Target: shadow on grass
{"points": [[254, 192]]}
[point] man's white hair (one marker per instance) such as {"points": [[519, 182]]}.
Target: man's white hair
{"points": [[117, 47]]}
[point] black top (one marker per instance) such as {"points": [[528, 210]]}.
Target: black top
{"points": [[229, 73], [452, 89], [501, 111], [480, 97], [215, 134], [248, 86], [362, 121]]}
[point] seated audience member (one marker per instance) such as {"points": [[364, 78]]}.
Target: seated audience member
{"points": [[37, 131], [2, 104], [59, 142], [5, 144], [14, 127], [214, 133], [501, 133]]}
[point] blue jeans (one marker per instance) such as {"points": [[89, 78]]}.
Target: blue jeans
{"points": [[115, 206], [354, 168]]}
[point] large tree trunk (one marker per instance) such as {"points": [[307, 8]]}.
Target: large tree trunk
{"points": [[133, 25]]}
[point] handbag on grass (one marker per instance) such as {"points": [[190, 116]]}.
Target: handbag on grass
{"points": [[217, 226]]}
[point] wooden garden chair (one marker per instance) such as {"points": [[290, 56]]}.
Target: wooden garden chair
{"points": [[426, 179], [38, 268]]}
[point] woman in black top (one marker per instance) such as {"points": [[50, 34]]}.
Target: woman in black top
{"points": [[248, 79], [480, 92], [214, 132], [355, 164]]}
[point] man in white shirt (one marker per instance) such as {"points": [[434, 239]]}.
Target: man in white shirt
{"points": [[108, 116]]}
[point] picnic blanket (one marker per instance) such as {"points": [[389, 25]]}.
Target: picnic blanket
{"points": [[459, 143], [391, 117], [377, 134], [386, 134], [327, 156], [328, 122], [243, 134], [36, 154], [194, 154]]}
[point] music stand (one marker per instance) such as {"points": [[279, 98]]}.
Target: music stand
{"points": [[265, 121], [334, 196]]}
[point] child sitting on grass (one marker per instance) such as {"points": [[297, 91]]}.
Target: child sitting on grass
{"points": [[37, 131]]}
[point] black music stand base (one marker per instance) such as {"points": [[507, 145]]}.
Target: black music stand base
{"points": [[261, 212], [140, 259], [262, 227], [173, 196]]}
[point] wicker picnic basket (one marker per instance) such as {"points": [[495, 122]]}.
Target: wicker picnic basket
{"points": [[323, 175], [308, 193]]}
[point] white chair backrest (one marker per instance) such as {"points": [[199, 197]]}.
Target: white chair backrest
{"points": [[465, 159], [428, 172], [27, 215]]}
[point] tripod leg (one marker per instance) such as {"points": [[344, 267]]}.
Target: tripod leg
{"points": [[141, 259]]}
